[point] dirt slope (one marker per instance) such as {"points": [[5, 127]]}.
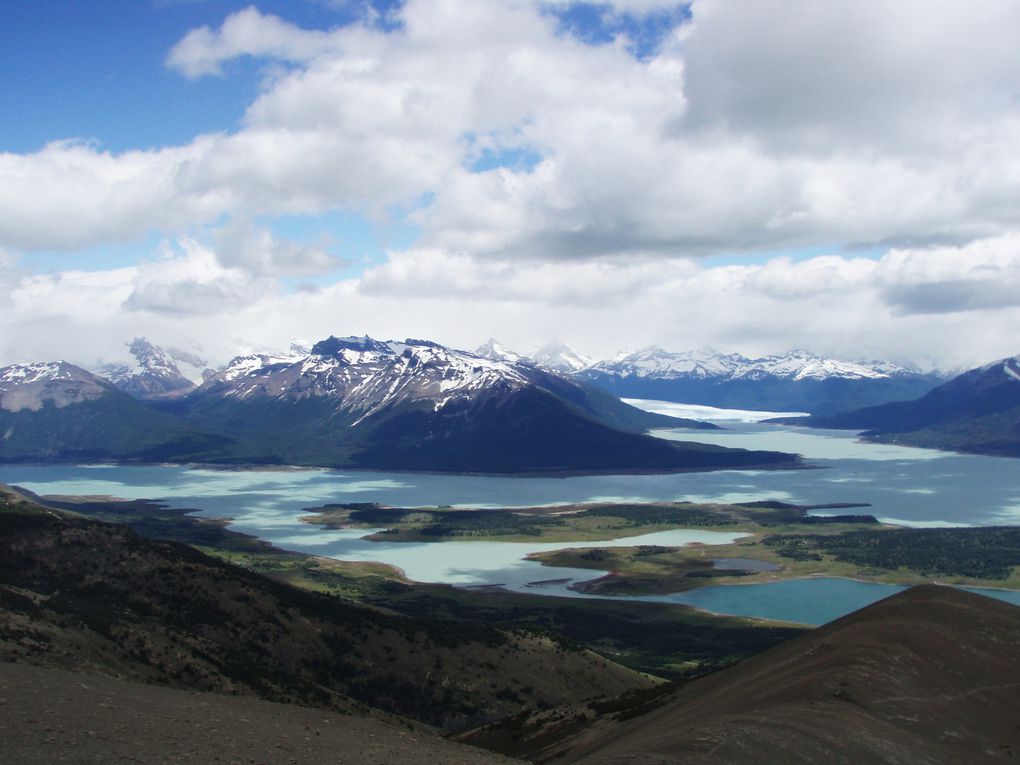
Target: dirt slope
{"points": [[51, 716], [83, 595], [931, 675]]}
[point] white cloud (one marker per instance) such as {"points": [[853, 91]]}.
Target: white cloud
{"points": [[850, 308], [743, 132], [243, 245], [191, 280], [202, 51], [861, 122]]}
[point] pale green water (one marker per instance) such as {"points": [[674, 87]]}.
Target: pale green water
{"points": [[913, 486]]}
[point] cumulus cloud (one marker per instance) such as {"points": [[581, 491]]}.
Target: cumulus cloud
{"points": [[191, 280], [202, 51], [982, 275], [563, 188], [740, 132], [243, 245], [846, 307]]}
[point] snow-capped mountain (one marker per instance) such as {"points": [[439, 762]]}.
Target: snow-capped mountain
{"points": [[365, 376], [155, 373], [557, 356], [797, 381], [414, 404], [496, 351], [656, 363], [56, 411], [31, 386], [977, 411], [352, 402]]}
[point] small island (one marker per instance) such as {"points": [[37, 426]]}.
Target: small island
{"points": [[781, 541]]}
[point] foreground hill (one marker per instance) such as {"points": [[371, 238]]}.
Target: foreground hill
{"points": [[88, 596], [51, 715], [931, 675], [978, 411], [797, 381]]}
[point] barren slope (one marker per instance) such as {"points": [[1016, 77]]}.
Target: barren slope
{"points": [[50, 715], [931, 675]]}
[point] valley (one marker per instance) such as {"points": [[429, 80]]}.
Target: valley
{"points": [[605, 565]]}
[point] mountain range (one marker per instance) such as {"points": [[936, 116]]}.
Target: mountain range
{"points": [[977, 411], [156, 373], [798, 381], [353, 402], [795, 381]]}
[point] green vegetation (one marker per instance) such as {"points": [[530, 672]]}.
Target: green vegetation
{"points": [[561, 523], [985, 554], [661, 639], [668, 641], [664, 640], [80, 594]]}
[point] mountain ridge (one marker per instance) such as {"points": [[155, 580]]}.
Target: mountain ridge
{"points": [[922, 676], [356, 403], [978, 411], [794, 381]]}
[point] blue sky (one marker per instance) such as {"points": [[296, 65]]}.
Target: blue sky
{"points": [[97, 72], [617, 174]]}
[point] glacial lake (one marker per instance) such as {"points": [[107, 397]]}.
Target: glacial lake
{"points": [[908, 486]]}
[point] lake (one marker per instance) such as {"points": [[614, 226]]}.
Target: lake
{"points": [[902, 485]]}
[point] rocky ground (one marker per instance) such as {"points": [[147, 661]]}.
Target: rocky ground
{"points": [[53, 716]]}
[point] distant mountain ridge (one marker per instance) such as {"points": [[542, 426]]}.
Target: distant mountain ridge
{"points": [[418, 405], [156, 372], [56, 411], [977, 411], [794, 381], [358, 402], [554, 356]]}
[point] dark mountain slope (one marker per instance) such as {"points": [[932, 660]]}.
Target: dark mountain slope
{"points": [[57, 412], [352, 402], [978, 411], [84, 595], [531, 431], [416, 405], [931, 675]]}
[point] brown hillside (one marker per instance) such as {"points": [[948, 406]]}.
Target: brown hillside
{"points": [[90, 596], [49, 716], [931, 675]]}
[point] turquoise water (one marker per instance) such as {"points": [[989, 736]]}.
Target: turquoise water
{"points": [[910, 486], [808, 601]]}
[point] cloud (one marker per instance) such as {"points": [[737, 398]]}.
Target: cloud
{"points": [[246, 33], [191, 280], [243, 245], [807, 77], [563, 188], [739, 133], [981, 275], [846, 307]]}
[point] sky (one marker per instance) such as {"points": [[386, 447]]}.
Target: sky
{"points": [[221, 176]]}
